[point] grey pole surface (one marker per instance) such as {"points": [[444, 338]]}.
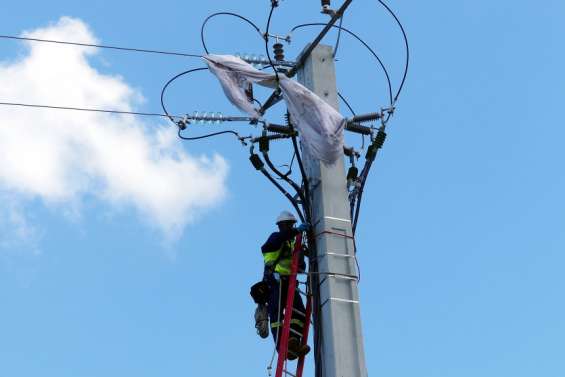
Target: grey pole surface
{"points": [[341, 339]]}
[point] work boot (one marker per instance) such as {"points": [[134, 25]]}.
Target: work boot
{"points": [[303, 350], [291, 355], [293, 349], [262, 321]]}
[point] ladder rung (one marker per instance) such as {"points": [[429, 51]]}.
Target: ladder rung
{"points": [[298, 311], [287, 372], [340, 300]]}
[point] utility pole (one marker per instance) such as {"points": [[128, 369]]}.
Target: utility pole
{"points": [[324, 199], [340, 347]]}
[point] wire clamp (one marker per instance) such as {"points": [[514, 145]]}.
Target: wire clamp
{"points": [[182, 124]]}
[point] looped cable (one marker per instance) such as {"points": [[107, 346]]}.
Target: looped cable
{"points": [[223, 14]]}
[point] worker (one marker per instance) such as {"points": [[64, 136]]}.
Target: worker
{"points": [[277, 254]]}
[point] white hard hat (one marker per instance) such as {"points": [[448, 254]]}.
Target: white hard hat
{"points": [[285, 216]]}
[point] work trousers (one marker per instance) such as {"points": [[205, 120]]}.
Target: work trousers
{"points": [[276, 306]]}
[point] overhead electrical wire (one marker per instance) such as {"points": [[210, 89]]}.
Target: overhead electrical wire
{"points": [[346, 102], [202, 38], [364, 175], [273, 6], [363, 43], [210, 135], [338, 37], [130, 49], [90, 110], [283, 176], [164, 89], [366, 169], [405, 44]]}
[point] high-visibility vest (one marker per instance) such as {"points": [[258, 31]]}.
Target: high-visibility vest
{"points": [[282, 257]]}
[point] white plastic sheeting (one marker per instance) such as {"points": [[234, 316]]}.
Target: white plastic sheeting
{"points": [[320, 125]]}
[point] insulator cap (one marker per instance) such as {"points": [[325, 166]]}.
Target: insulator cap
{"points": [[181, 124], [256, 161], [352, 173], [278, 48], [263, 144]]}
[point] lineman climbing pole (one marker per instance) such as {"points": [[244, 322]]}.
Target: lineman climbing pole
{"points": [[327, 198]]}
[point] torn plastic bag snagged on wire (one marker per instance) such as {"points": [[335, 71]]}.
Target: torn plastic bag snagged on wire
{"points": [[320, 125]]}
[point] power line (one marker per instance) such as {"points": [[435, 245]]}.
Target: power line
{"points": [[203, 26], [406, 46], [101, 46], [273, 6], [89, 110], [338, 37], [354, 35], [163, 90]]}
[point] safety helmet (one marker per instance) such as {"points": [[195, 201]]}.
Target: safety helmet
{"points": [[285, 216]]}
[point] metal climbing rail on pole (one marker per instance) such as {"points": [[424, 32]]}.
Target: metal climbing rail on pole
{"points": [[283, 346]]}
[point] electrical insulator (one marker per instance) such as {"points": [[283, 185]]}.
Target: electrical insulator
{"points": [[352, 174], [207, 118], [256, 161], [279, 52], [181, 124], [288, 120], [264, 144], [256, 61], [380, 139], [371, 153]]}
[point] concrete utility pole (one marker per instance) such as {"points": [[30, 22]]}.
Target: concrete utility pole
{"points": [[341, 340]]}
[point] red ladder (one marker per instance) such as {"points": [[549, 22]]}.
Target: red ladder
{"points": [[283, 346]]}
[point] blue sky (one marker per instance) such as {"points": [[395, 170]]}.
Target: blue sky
{"points": [[461, 237]]}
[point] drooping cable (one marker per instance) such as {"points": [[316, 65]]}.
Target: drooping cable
{"points": [[364, 44], [369, 159], [273, 6], [305, 181], [164, 89], [209, 135], [202, 38], [407, 49], [170, 82], [290, 164], [338, 37], [283, 176], [101, 46], [346, 102], [276, 95], [259, 165], [364, 175]]}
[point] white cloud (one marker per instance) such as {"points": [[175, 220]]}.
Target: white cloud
{"points": [[60, 157]]}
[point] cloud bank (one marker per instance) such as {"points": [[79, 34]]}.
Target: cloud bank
{"points": [[59, 158]]}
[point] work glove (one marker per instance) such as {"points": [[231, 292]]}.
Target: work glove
{"points": [[303, 227]]}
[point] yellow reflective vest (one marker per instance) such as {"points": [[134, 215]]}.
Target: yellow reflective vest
{"points": [[277, 252]]}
